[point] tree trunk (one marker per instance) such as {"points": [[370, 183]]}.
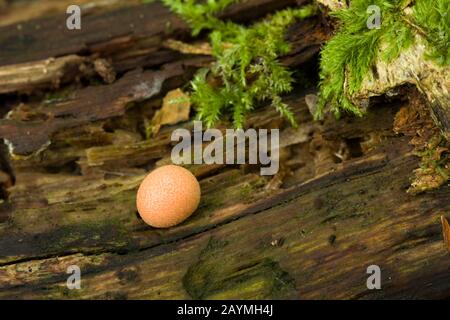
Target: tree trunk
{"points": [[76, 151]]}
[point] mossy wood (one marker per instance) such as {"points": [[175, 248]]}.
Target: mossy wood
{"points": [[338, 204]]}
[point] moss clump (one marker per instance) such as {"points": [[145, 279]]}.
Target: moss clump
{"points": [[348, 57], [434, 168], [247, 69], [433, 18], [350, 54]]}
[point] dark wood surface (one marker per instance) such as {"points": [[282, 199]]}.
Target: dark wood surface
{"points": [[338, 204]]}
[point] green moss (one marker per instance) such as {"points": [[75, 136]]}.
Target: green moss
{"points": [[217, 276], [434, 168], [200, 15], [347, 58], [247, 68], [433, 18], [111, 235], [239, 192], [349, 55], [59, 95]]}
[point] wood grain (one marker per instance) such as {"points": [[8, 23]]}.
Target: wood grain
{"points": [[78, 153]]}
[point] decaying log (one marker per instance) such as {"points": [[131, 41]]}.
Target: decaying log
{"points": [[115, 172], [338, 204], [410, 67], [128, 37], [29, 40], [18, 11], [43, 74], [313, 240], [107, 32], [25, 136], [88, 104]]}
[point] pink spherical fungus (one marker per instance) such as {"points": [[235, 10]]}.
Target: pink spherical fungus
{"points": [[168, 196]]}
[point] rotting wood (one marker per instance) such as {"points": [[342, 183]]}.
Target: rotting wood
{"points": [[103, 32], [26, 137], [141, 46], [95, 215], [79, 207], [87, 105], [18, 11], [42, 74], [339, 206], [400, 233]]}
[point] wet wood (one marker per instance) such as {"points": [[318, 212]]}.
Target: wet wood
{"points": [[25, 136], [134, 37], [314, 239], [108, 32], [338, 205], [89, 104]]}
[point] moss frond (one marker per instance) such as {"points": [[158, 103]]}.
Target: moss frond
{"points": [[433, 18], [247, 69], [199, 15], [346, 60], [348, 57]]}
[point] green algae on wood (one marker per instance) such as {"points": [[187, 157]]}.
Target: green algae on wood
{"points": [[214, 277]]}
